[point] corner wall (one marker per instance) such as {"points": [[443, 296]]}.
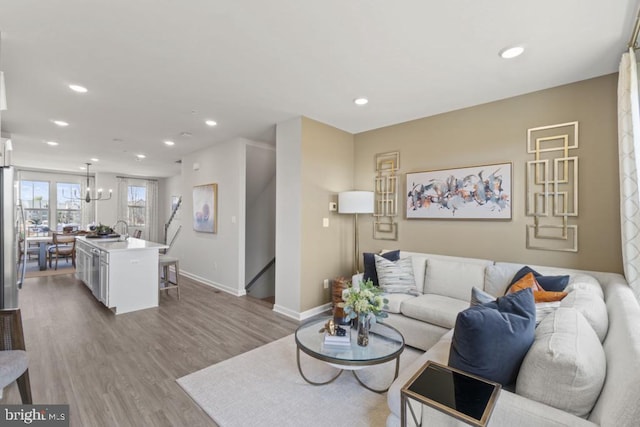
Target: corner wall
{"points": [[216, 259], [496, 133], [314, 163]]}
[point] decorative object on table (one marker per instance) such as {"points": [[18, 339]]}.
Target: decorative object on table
{"points": [[385, 226], [552, 187], [355, 202], [337, 287], [479, 192], [205, 208], [336, 335], [102, 229], [366, 304], [329, 327]]}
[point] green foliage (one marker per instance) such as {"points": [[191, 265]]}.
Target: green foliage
{"points": [[365, 299]]}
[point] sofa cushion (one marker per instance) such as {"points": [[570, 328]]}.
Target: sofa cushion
{"points": [[491, 340], [396, 276], [566, 366], [548, 283], [370, 271], [436, 309], [478, 296], [395, 302], [453, 278], [592, 308], [584, 282]]}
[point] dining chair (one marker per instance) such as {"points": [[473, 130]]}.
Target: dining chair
{"points": [[14, 363], [64, 246], [26, 249]]}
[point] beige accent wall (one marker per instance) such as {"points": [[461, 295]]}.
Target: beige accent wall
{"points": [[496, 133], [327, 169]]}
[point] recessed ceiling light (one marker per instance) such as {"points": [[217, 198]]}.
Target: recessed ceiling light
{"points": [[94, 159], [83, 168], [210, 122], [60, 123], [169, 143], [52, 143], [360, 101], [511, 52], [140, 156], [78, 88]]}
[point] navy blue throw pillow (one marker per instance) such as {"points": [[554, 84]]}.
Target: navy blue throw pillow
{"points": [[370, 271], [548, 283], [490, 340]]}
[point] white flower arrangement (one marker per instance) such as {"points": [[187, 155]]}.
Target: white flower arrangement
{"points": [[365, 299]]}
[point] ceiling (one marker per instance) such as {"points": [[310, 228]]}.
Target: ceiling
{"points": [[156, 69]]}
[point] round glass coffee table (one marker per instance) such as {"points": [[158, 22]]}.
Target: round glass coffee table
{"points": [[385, 344]]}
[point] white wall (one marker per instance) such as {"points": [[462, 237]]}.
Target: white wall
{"points": [[288, 216], [214, 259], [107, 210]]}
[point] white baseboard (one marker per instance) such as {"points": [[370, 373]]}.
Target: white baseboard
{"points": [[304, 315], [227, 289]]}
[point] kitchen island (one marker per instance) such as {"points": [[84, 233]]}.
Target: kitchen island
{"points": [[121, 274]]}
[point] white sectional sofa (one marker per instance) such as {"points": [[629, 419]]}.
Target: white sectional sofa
{"points": [[551, 387]]}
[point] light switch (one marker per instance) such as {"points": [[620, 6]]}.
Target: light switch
{"points": [[325, 222], [333, 206], [233, 220]]}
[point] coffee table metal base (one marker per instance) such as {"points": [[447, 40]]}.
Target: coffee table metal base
{"points": [[342, 368]]}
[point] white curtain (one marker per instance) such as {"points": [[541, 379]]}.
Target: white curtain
{"points": [[150, 231], [123, 191], [152, 211], [629, 150]]}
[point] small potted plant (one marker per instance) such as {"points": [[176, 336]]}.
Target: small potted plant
{"points": [[102, 230], [366, 304]]}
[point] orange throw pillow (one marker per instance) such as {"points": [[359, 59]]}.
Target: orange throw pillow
{"points": [[548, 296], [528, 281], [539, 294]]}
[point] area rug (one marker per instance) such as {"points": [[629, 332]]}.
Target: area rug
{"points": [[34, 271], [264, 388]]}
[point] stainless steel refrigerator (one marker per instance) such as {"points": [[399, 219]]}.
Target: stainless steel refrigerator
{"points": [[12, 265]]}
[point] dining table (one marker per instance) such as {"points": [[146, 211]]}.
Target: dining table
{"points": [[43, 242]]}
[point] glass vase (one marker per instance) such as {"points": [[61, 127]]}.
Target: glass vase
{"points": [[363, 329]]}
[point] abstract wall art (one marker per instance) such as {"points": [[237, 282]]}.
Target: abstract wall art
{"points": [[205, 208], [478, 192]]}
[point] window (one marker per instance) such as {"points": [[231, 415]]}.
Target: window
{"points": [[34, 196], [69, 213], [136, 205]]}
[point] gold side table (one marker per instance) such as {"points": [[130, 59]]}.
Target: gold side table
{"points": [[467, 397]]}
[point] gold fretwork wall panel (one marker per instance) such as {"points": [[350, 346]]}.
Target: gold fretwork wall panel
{"points": [[552, 187], [385, 226]]}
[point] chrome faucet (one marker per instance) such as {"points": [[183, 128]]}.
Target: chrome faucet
{"points": [[126, 228]]}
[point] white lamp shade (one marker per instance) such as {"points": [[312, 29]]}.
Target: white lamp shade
{"points": [[350, 202]]}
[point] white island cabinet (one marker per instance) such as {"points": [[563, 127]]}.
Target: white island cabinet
{"points": [[123, 275]]}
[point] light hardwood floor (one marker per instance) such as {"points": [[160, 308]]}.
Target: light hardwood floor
{"points": [[122, 370]]}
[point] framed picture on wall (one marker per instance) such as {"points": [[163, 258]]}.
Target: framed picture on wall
{"points": [[205, 208], [478, 192]]}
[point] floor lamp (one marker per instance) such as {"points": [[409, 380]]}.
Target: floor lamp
{"points": [[355, 202]]}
